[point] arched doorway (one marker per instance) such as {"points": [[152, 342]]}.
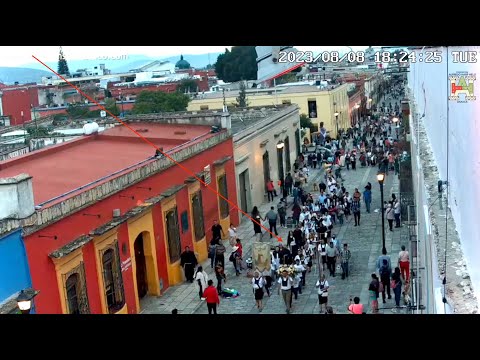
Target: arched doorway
{"points": [[297, 143], [140, 266], [266, 170]]}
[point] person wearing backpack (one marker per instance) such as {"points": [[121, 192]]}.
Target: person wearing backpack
{"points": [[385, 273]]}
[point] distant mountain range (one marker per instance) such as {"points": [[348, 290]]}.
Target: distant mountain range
{"points": [[8, 75], [34, 71]]}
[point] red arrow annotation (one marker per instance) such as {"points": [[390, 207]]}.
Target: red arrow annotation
{"points": [[185, 169]]}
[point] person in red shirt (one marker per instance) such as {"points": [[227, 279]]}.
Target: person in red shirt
{"points": [[211, 297]]}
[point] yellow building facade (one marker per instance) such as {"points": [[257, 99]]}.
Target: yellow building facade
{"points": [[320, 105]]}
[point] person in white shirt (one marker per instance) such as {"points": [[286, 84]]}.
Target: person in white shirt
{"points": [[232, 233], [301, 218], [286, 282], [299, 268], [396, 210], [322, 251], [296, 286], [322, 286], [404, 263], [258, 283], [201, 279]]}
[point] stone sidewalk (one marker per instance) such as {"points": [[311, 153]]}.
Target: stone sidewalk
{"points": [[184, 297], [365, 243]]}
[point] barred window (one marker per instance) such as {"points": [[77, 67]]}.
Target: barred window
{"points": [[76, 291], [72, 294], [112, 278], [222, 190], [173, 235], [198, 222]]}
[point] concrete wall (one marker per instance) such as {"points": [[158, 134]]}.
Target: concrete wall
{"points": [[14, 153], [431, 87], [16, 197], [325, 107], [14, 270], [250, 147]]}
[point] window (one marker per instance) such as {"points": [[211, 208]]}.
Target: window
{"points": [[222, 190], [184, 219], [112, 279], [203, 107], [173, 235], [312, 108], [72, 294], [198, 222], [76, 291]]}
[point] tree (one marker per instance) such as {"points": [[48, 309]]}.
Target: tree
{"points": [[62, 64], [77, 111], [148, 102], [238, 64], [187, 86], [111, 106], [306, 122], [242, 96]]}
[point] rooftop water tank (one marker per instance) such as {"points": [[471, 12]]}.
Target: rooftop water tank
{"points": [[90, 128]]}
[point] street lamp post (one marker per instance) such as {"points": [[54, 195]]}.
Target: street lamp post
{"points": [[336, 123], [381, 178], [24, 300]]}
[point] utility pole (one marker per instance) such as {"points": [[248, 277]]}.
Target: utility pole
{"points": [[224, 101]]}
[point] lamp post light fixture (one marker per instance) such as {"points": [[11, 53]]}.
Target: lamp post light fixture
{"points": [[280, 145], [381, 179], [24, 300], [336, 122]]}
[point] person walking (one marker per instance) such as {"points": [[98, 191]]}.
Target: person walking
{"points": [[257, 220], [201, 278], [217, 230], [234, 259], [220, 254], [374, 292], [220, 275], [188, 261], [385, 273], [211, 297], [396, 285], [332, 254], [272, 221], [396, 212], [270, 190], [285, 281], [282, 212], [404, 263], [322, 286], [232, 235], [345, 256], [367, 197], [258, 283], [356, 211], [389, 214]]}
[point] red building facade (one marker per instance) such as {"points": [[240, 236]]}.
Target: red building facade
{"points": [[18, 101], [123, 245]]}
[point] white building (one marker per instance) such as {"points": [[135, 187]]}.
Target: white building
{"points": [[446, 147]]}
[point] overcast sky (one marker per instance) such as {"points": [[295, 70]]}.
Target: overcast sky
{"points": [[18, 56]]}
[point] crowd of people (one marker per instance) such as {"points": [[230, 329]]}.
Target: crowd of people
{"points": [[315, 216]]}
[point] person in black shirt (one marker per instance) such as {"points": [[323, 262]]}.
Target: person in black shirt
{"points": [[188, 261], [217, 230]]}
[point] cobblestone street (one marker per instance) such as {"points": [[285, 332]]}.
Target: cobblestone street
{"points": [[364, 241]]}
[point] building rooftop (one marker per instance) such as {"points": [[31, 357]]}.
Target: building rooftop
{"points": [[62, 168], [270, 91], [242, 120]]}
